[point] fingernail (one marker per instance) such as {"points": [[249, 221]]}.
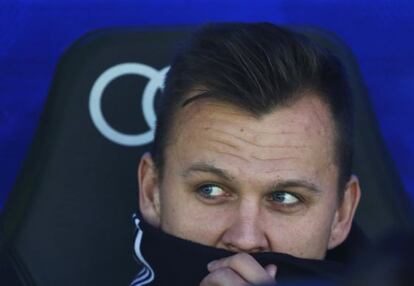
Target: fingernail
{"points": [[272, 270], [211, 264]]}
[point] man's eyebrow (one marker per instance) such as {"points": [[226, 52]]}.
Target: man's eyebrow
{"points": [[295, 184], [277, 186], [207, 168]]}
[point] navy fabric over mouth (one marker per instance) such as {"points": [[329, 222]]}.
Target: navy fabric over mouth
{"points": [[177, 261]]}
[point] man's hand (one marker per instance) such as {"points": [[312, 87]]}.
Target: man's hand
{"points": [[239, 269]]}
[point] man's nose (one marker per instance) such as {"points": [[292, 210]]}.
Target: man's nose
{"points": [[245, 233]]}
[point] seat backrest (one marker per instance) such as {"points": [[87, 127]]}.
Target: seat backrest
{"points": [[384, 206], [68, 220]]}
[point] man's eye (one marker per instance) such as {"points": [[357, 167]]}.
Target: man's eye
{"points": [[284, 198], [211, 191]]}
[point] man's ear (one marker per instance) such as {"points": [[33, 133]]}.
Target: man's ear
{"points": [[149, 192], [344, 215]]}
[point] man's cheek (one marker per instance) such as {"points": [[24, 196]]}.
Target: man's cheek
{"points": [[180, 217], [297, 235]]}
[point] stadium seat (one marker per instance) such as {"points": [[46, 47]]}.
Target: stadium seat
{"points": [[68, 219]]}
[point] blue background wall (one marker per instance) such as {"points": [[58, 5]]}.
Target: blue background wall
{"points": [[34, 33]]}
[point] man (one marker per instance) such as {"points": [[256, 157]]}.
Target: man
{"points": [[252, 154]]}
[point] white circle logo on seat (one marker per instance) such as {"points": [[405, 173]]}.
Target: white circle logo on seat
{"points": [[156, 81]]}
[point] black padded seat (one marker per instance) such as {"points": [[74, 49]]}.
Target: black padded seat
{"points": [[68, 219]]}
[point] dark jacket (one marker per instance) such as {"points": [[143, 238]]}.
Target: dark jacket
{"points": [[167, 260]]}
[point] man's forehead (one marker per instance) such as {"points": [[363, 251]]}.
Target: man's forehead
{"points": [[287, 134], [307, 114]]}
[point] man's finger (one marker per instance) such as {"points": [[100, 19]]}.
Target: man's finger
{"points": [[246, 266], [271, 269], [223, 276]]}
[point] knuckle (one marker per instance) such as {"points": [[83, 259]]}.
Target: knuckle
{"points": [[243, 256], [223, 272], [240, 258]]}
